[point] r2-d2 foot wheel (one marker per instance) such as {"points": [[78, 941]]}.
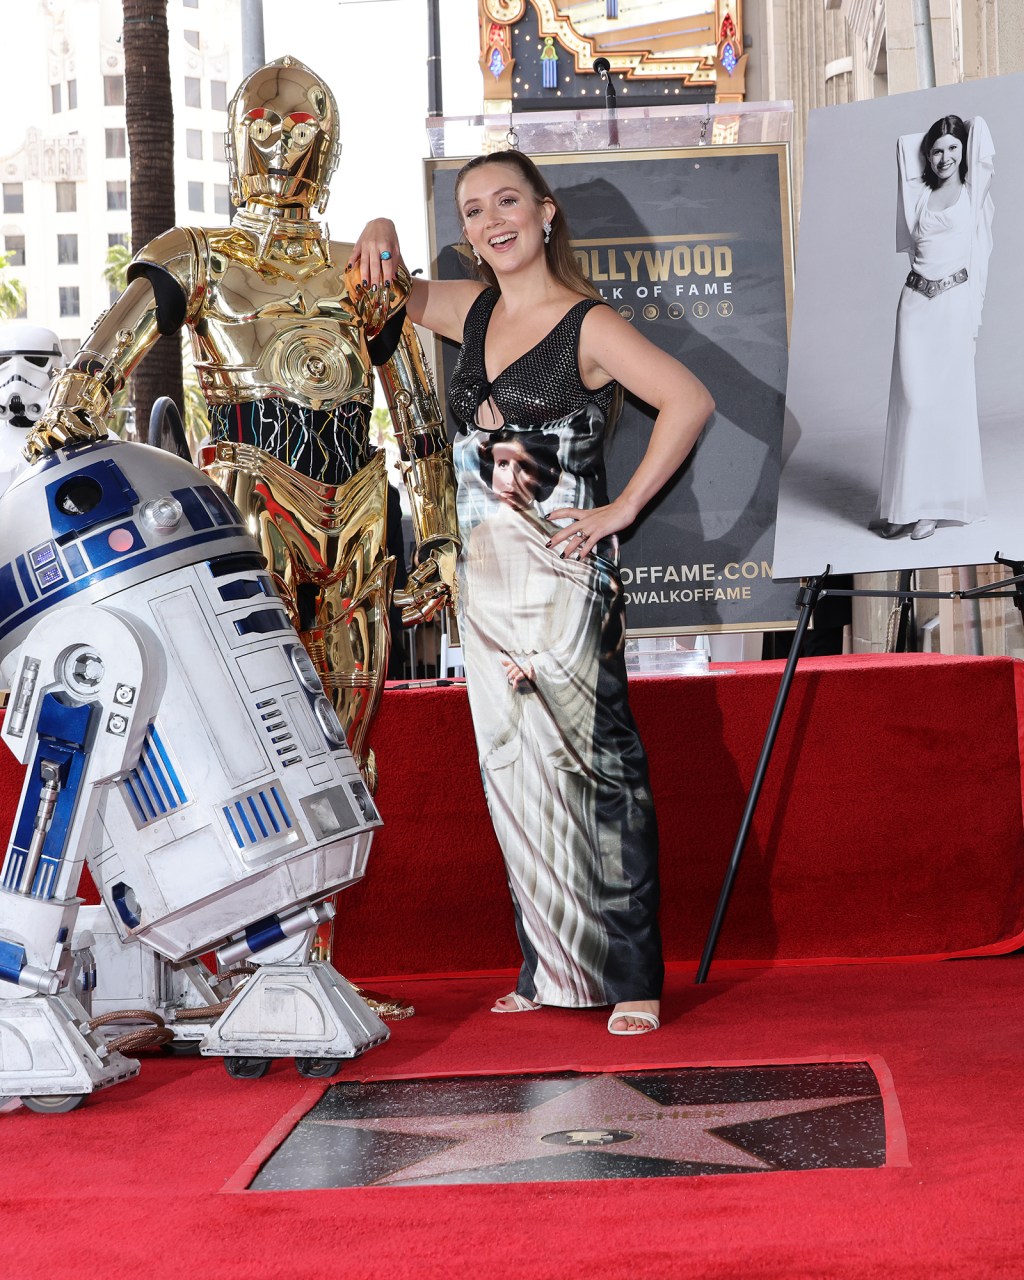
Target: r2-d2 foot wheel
{"points": [[318, 1068], [53, 1103], [247, 1068]]}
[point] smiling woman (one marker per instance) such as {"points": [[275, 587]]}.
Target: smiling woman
{"points": [[541, 617]]}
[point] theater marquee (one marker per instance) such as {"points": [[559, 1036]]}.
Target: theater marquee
{"points": [[694, 247]]}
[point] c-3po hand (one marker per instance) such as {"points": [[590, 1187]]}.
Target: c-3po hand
{"points": [[430, 587], [58, 428]]}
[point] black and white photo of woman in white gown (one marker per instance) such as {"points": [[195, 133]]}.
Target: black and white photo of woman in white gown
{"points": [[932, 465]]}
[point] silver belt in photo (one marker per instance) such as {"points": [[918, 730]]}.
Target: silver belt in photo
{"points": [[932, 287]]}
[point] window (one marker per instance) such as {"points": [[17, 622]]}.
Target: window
{"points": [[195, 196], [117, 143], [55, 98], [194, 144], [113, 91], [117, 195], [14, 247], [14, 197], [219, 95], [72, 94], [67, 249], [190, 4], [192, 38], [70, 347], [117, 237], [69, 305], [221, 198], [217, 146], [67, 197], [193, 92]]}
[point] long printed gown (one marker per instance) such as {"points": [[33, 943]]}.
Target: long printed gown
{"points": [[563, 768]]}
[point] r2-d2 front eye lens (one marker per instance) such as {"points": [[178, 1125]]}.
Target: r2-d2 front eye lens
{"points": [[328, 720], [161, 515]]}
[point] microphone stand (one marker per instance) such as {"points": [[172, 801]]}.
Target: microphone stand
{"points": [[604, 69]]}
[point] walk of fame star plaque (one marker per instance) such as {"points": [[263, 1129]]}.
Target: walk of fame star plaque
{"points": [[571, 1126]]}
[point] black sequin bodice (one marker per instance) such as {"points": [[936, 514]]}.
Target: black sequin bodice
{"points": [[542, 385]]}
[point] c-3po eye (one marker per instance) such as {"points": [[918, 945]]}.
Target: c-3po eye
{"points": [[260, 129], [303, 134]]}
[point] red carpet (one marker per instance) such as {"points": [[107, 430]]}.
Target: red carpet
{"points": [[133, 1183], [891, 825]]}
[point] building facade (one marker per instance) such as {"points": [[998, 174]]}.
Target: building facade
{"points": [[65, 179]]}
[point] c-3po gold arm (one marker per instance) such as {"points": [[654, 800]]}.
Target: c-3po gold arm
{"points": [[162, 282], [81, 395], [426, 453], [426, 462]]}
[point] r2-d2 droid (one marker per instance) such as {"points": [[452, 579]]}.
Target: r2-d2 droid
{"points": [[178, 740]]}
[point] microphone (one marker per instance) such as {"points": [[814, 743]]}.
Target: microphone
{"points": [[603, 68]]}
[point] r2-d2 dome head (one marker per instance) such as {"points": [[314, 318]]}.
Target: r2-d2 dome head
{"points": [[282, 140], [29, 358]]}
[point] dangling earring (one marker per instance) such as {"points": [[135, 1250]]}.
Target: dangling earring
{"points": [[547, 231], [478, 258]]}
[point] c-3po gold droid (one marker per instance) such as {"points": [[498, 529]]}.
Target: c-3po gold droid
{"points": [[284, 343]]}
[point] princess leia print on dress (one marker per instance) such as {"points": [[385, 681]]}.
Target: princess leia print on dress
{"points": [[932, 470]]}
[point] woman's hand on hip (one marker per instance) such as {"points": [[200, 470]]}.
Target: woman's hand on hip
{"points": [[588, 526]]}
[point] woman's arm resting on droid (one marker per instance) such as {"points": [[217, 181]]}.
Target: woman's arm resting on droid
{"points": [[437, 305], [611, 348]]}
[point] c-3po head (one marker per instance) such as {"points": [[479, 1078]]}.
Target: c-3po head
{"points": [[282, 140]]}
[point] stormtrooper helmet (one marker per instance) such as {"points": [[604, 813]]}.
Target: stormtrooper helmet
{"points": [[29, 358]]}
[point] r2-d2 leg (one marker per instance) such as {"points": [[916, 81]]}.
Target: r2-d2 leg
{"points": [[76, 722]]}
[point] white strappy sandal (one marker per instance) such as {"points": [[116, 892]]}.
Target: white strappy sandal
{"points": [[651, 1019], [520, 1004]]}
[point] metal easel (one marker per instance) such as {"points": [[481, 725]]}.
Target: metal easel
{"points": [[810, 592]]}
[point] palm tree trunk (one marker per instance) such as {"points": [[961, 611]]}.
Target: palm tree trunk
{"points": [[150, 120]]}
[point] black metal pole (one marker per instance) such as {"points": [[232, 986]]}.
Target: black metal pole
{"points": [[434, 94], [807, 599], [603, 68], [1017, 568], [905, 639]]}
